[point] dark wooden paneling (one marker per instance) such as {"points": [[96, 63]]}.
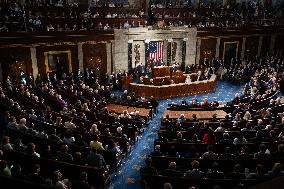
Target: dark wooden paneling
{"points": [[265, 44], [208, 48], [251, 46], [8, 58], [279, 42], [204, 32], [231, 39], [41, 57], [28, 38], [95, 54]]}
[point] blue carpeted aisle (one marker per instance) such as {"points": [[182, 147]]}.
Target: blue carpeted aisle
{"points": [[128, 176]]}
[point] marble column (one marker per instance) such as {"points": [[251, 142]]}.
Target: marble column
{"points": [[272, 43], [169, 49], [243, 48], [80, 57], [198, 44], [1, 73], [165, 52], [179, 51], [34, 62], [259, 45], [109, 57], [217, 51], [112, 57]]}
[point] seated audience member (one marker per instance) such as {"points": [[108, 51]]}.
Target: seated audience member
{"points": [[193, 118], [53, 136], [69, 124], [167, 185], [35, 175], [148, 169], [94, 130], [68, 137], [181, 119], [18, 145], [194, 173], [209, 154], [6, 143], [82, 182], [179, 137], [244, 153], [125, 114], [157, 151], [214, 116], [188, 79], [248, 127], [47, 153], [240, 139], [236, 173], [195, 139], [262, 153], [95, 144], [16, 172], [79, 141], [31, 150], [205, 104], [235, 126], [12, 124], [58, 181], [279, 154], [214, 172], [172, 171], [276, 171], [78, 158], [22, 124], [259, 173], [95, 159], [4, 168], [226, 140], [209, 137], [119, 133], [112, 146], [227, 154], [194, 104], [63, 154]]}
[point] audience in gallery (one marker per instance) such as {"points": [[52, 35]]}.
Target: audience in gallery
{"points": [[210, 15]]}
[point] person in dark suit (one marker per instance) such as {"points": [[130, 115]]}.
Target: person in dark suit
{"points": [[148, 169], [172, 171], [3, 125], [195, 173]]}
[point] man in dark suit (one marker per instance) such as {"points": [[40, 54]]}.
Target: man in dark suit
{"points": [[172, 171], [148, 169], [195, 173], [3, 125]]}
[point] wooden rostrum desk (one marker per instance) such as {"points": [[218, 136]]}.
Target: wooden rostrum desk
{"points": [[174, 90]]}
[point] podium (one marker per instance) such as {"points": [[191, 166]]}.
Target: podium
{"points": [[126, 80], [161, 71]]}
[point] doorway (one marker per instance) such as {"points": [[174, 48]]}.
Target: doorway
{"points": [[58, 62], [230, 51]]}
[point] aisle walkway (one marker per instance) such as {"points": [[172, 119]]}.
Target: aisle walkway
{"points": [[128, 176]]}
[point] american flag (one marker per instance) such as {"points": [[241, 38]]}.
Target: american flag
{"points": [[156, 49]]}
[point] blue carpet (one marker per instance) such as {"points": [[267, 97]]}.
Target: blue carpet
{"points": [[128, 176]]}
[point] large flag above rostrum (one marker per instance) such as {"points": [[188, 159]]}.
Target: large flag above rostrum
{"points": [[156, 49]]}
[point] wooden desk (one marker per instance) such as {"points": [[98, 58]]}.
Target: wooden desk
{"points": [[126, 80], [174, 90], [202, 115], [161, 71], [143, 112]]}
